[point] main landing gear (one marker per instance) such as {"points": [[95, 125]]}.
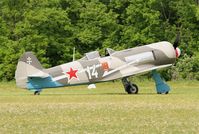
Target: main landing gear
{"points": [[161, 86], [129, 87]]}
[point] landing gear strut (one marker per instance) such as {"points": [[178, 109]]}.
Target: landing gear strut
{"points": [[161, 86], [129, 87]]}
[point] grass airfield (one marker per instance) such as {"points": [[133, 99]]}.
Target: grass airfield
{"points": [[106, 109]]}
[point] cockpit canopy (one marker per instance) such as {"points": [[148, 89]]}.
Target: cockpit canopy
{"points": [[95, 54], [109, 51], [92, 55]]}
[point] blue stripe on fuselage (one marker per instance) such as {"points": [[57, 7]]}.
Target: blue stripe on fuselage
{"points": [[39, 83]]}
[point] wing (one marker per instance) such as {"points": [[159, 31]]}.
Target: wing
{"points": [[150, 67], [132, 68]]}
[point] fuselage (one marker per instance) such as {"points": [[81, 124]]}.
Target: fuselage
{"points": [[117, 65]]}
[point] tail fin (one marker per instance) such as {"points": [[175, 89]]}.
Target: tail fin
{"points": [[27, 65]]}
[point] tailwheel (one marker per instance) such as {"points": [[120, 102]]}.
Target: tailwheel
{"points": [[37, 93], [130, 88]]}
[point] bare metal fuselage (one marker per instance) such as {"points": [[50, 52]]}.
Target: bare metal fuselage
{"points": [[118, 65]]}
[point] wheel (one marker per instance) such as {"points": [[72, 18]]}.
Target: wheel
{"points": [[36, 93], [132, 89], [163, 93]]}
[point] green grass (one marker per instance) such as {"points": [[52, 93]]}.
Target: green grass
{"points": [[107, 109]]}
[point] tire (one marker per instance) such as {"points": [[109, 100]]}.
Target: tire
{"points": [[36, 93], [132, 89], [163, 93]]}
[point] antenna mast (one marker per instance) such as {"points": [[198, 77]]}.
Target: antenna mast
{"points": [[74, 54]]}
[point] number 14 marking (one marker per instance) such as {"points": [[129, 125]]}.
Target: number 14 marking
{"points": [[92, 72]]}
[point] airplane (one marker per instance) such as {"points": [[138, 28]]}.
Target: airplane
{"points": [[92, 68]]}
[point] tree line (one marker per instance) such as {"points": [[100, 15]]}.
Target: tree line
{"points": [[52, 28]]}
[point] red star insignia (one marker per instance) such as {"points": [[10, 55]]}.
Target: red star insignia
{"points": [[72, 73]]}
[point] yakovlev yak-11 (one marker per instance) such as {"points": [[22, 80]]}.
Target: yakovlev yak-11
{"points": [[92, 68]]}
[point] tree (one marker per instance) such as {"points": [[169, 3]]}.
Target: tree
{"points": [[51, 29]]}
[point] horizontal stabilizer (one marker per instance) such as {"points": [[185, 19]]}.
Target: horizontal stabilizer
{"points": [[40, 74]]}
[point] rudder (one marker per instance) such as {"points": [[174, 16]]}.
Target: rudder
{"points": [[27, 65]]}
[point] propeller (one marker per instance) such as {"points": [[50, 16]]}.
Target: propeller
{"points": [[175, 45]]}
